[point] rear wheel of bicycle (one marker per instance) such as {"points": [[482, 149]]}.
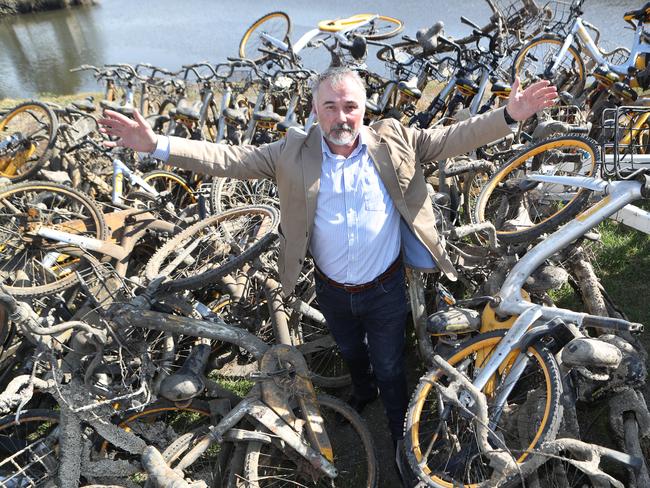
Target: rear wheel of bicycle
{"points": [[276, 465], [175, 187], [31, 265], [214, 247], [275, 24], [534, 60], [227, 193], [440, 440], [521, 209], [27, 137], [28, 448]]}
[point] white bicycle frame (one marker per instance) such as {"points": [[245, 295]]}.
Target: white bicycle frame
{"points": [[120, 170], [579, 29], [618, 194]]}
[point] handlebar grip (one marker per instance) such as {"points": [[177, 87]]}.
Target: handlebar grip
{"points": [[612, 323]]}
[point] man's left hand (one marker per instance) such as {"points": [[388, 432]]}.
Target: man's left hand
{"points": [[525, 103]]}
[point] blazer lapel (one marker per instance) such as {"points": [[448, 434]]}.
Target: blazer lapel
{"points": [[382, 160], [312, 158]]}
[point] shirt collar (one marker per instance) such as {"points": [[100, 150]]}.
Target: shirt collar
{"points": [[361, 146]]}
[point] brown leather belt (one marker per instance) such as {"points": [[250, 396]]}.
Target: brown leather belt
{"points": [[363, 286]]}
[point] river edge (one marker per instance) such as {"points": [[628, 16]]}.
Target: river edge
{"points": [[14, 7]]}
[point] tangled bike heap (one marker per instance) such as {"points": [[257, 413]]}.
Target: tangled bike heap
{"points": [[133, 292]]}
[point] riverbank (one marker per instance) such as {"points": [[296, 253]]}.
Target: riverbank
{"points": [[13, 7]]}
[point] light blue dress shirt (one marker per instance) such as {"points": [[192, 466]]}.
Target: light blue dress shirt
{"points": [[356, 233]]}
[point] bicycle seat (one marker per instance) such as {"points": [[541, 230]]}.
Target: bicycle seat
{"points": [[501, 88], [84, 105], [624, 91], [410, 87], [267, 115], [428, 38], [467, 86], [116, 107], [456, 320], [191, 110], [286, 124], [642, 14], [235, 115]]}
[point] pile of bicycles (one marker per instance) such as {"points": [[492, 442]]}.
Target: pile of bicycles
{"points": [[145, 339]]}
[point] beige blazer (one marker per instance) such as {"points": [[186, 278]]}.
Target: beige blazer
{"points": [[294, 163]]}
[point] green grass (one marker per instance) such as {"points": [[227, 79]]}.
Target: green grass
{"points": [[6, 103], [621, 261]]}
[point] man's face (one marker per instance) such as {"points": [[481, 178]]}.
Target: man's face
{"points": [[340, 109]]}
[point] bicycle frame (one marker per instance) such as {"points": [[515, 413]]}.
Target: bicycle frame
{"points": [[618, 195], [578, 29], [120, 170]]}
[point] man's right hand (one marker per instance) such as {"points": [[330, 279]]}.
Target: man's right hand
{"points": [[134, 134]]}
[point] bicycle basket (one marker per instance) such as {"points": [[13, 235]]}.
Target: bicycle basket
{"points": [[30, 466], [625, 141], [557, 16]]}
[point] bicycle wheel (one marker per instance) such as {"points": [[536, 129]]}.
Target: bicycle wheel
{"points": [[27, 136], [404, 49], [354, 455], [214, 247], [227, 193], [275, 24], [30, 265], [535, 59], [28, 448], [522, 210], [373, 27], [174, 187], [169, 428], [441, 442]]}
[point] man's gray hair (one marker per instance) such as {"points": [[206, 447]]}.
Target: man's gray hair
{"points": [[335, 75]]}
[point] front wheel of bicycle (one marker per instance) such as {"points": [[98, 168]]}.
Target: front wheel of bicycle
{"points": [[214, 247], [275, 24], [535, 59], [522, 209], [275, 465], [441, 440], [31, 265], [27, 137]]}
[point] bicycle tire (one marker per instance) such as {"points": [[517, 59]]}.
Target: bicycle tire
{"points": [[380, 27], [411, 48], [260, 219], [41, 131], [179, 420], [541, 50], [419, 427], [524, 212], [227, 193], [22, 441], [278, 24], [89, 221], [262, 459], [180, 193]]}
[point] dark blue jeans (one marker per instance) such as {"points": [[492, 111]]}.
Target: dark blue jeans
{"points": [[369, 328]]}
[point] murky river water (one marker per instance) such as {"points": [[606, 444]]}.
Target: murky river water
{"points": [[37, 50]]}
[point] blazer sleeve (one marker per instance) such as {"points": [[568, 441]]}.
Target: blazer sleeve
{"points": [[445, 142], [242, 162]]}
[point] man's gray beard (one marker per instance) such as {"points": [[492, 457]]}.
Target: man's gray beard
{"points": [[342, 141]]}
